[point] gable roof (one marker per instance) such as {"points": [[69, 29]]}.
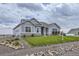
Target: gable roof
{"points": [[43, 24], [38, 23], [21, 24], [55, 24], [35, 20], [73, 30]]}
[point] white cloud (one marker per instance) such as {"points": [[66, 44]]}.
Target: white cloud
{"points": [[66, 15]]}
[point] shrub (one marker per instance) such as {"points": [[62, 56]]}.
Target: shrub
{"points": [[23, 36], [13, 35], [16, 43], [9, 41], [32, 35], [16, 38]]}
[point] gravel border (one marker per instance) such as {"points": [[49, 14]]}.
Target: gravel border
{"points": [[65, 49]]}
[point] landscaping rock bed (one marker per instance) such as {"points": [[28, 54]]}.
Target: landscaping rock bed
{"points": [[55, 52], [71, 49], [15, 44], [65, 49]]}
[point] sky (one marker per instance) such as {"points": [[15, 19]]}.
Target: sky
{"points": [[66, 15]]}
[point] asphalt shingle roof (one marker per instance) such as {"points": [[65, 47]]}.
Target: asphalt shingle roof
{"points": [[43, 24]]}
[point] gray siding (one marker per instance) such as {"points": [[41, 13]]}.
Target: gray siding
{"points": [[17, 31], [33, 29], [52, 27], [21, 29], [75, 32]]}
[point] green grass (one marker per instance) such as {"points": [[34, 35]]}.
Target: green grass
{"points": [[41, 41]]}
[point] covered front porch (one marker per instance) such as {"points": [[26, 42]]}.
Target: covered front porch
{"points": [[44, 31]]}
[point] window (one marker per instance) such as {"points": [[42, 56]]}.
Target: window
{"points": [[78, 33], [28, 29], [37, 29], [54, 30]]}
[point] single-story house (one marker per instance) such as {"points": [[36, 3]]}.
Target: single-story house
{"points": [[33, 26], [74, 31]]}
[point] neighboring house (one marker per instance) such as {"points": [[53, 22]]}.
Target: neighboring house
{"points": [[74, 32], [32, 26]]}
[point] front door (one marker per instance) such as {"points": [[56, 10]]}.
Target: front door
{"points": [[42, 30]]}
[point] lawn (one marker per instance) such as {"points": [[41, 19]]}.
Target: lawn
{"points": [[47, 40]]}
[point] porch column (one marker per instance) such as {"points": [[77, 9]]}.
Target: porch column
{"points": [[44, 30]]}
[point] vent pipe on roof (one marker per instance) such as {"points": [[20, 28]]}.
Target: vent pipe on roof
{"points": [[23, 20], [33, 19]]}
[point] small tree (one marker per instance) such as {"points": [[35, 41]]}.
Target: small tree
{"points": [[24, 36]]}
